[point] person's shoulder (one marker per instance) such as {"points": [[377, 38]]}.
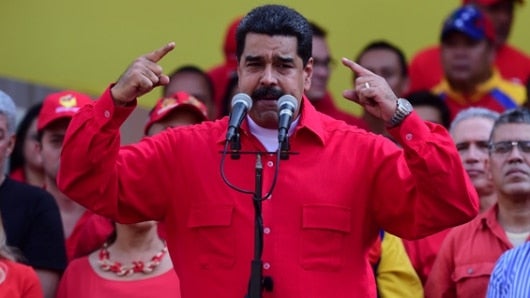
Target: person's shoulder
{"points": [[513, 53], [332, 124], [464, 231], [426, 53], [20, 271], [79, 266], [25, 191], [519, 252]]}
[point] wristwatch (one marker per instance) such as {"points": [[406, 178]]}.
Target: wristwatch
{"points": [[403, 109]]}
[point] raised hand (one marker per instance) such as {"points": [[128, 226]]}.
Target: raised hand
{"points": [[141, 77], [372, 92]]}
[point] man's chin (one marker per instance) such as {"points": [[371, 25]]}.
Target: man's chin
{"points": [[266, 119]]}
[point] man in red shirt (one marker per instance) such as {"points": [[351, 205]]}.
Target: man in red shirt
{"points": [[84, 231], [468, 254], [513, 64], [470, 78], [319, 213], [470, 131]]}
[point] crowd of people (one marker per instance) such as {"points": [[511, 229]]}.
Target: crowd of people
{"points": [[426, 194]]}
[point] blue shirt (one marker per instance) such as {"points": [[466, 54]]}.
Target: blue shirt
{"points": [[511, 275]]}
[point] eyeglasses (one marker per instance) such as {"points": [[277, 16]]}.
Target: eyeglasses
{"points": [[506, 147]]}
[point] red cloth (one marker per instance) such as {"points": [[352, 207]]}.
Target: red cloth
{"points": [[222, 73], [325, 213], [425, 69], [89, 234], [423, 252], [80, 281], [327, 106], [18, 280], [18, 175], [374, 254], [467, 257]]}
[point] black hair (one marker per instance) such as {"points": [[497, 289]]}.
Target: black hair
{"points": [[276, 20], [317, 30], [385, 45], [17, 159], [427, 98], [195, 70], [518, 115], [231, 85]]}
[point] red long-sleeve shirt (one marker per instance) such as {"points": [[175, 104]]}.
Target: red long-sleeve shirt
{"points": [[467, 258], [324, 214]]}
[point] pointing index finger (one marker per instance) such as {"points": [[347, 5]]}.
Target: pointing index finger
{"points": [[158, 54], [358, 69]]}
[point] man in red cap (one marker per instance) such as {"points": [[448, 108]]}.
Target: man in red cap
{"points": [[177, 110], [470, 78], [514, 65], [83, 230], [222, 74]]}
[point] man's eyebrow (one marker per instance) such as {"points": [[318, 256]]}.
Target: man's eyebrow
{"points": [[285, 59], [252, 58]]}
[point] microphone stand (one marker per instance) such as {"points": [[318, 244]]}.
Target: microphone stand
{"points": [[256, 281]]}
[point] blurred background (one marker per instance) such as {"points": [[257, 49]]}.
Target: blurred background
{"points": [[86, 45]]}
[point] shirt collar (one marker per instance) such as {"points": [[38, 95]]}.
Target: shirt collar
{"points": [[488, 218], [309, 121], [481, 90]]}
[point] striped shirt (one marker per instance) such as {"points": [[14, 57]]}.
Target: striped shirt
{"points": [[511, 275]]}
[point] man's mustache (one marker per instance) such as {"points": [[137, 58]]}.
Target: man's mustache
{"points": [[267, 92]]}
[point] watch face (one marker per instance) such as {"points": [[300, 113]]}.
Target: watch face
{"points": [[406, 104]]}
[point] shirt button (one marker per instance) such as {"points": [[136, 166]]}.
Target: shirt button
{"points": [[470, 271], [270, 164], [408, 137], [266, 230], [266, 266], [106, 114]]}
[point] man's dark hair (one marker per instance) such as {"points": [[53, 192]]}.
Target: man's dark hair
{"points": [[385, 45], [194, 70], [317, 30], [276, 20], [427, 98], [518, 115], [17, 159]]}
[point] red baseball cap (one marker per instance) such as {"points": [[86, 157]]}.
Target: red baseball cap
{"points": [[179, 100], [60, 105], [486, 2]]}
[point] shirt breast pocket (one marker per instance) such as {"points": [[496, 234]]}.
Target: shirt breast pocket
{"points": [[213, 237], [471, 280], [324, 232]]}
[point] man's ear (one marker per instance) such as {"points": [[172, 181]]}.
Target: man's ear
{"points": [[308, 74], [10, 145]]}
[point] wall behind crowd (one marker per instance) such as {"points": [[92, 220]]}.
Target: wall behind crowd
{"points": [[85, 45]]}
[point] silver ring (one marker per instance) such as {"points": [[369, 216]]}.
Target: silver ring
{"points": [[367, 85]]}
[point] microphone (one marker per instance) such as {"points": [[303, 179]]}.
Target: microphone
{"points": [[241, 103], [287, 104]]}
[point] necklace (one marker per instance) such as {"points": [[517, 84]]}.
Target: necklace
{"points": [[136, 267]]}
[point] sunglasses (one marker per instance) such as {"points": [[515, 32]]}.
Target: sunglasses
{"points": [[507, 147]]}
